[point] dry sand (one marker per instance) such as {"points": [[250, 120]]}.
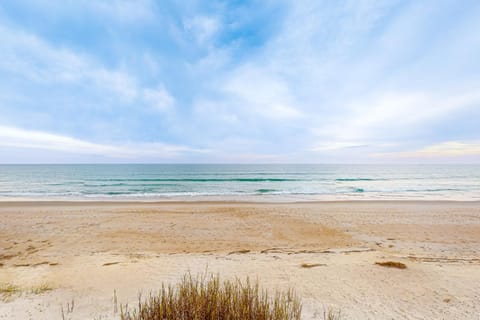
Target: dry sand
{"points": [[83, 251]]}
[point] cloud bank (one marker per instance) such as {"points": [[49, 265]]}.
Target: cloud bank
{"points": [[272, 81]]}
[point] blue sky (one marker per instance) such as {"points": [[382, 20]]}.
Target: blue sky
{"points": [[240, 81]]}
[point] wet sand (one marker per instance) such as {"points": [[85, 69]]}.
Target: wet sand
{"points": [[54, 252]]}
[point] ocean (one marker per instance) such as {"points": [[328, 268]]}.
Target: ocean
{"points": [[280, 182]]}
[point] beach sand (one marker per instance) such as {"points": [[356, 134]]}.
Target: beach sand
{"points": [[53, 253]]}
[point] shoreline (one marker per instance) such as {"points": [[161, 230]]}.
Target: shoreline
{"points": [[222, 200]]}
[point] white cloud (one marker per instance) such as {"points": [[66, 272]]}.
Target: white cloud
{"points": [[203, 28], [394, 109], [248, 93], [334, 76], [19, 138], [159, 99], [124, 10], [257, 90], [297, 69], [382, 119], [30, 57], [337, 145]]}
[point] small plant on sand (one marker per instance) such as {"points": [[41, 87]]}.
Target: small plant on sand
{"points": [[41, 288], [331, 314], [67, 310], [207, 298], [7, 290], [392, 264]]}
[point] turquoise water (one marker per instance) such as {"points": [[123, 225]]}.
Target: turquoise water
{"points": [[302, 182]]}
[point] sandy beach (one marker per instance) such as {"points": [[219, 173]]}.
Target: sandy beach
{"points": [[53, 253]]}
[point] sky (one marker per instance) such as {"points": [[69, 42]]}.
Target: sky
{"points": [[304, 81]]}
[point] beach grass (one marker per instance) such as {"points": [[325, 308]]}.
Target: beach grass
{"points": [[7, 290], [332, 314], [207, 297], [41, 288]]}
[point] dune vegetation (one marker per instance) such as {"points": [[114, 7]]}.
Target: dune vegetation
{"points": [[208, 298]]}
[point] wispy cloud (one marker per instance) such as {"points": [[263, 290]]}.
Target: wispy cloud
{"points": [[258, 91], [388, 116], [301, 81], [123, 10], [64, 79], [202, 28], [119, 11], [159, 98], [29, 57], [27, 139]]}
